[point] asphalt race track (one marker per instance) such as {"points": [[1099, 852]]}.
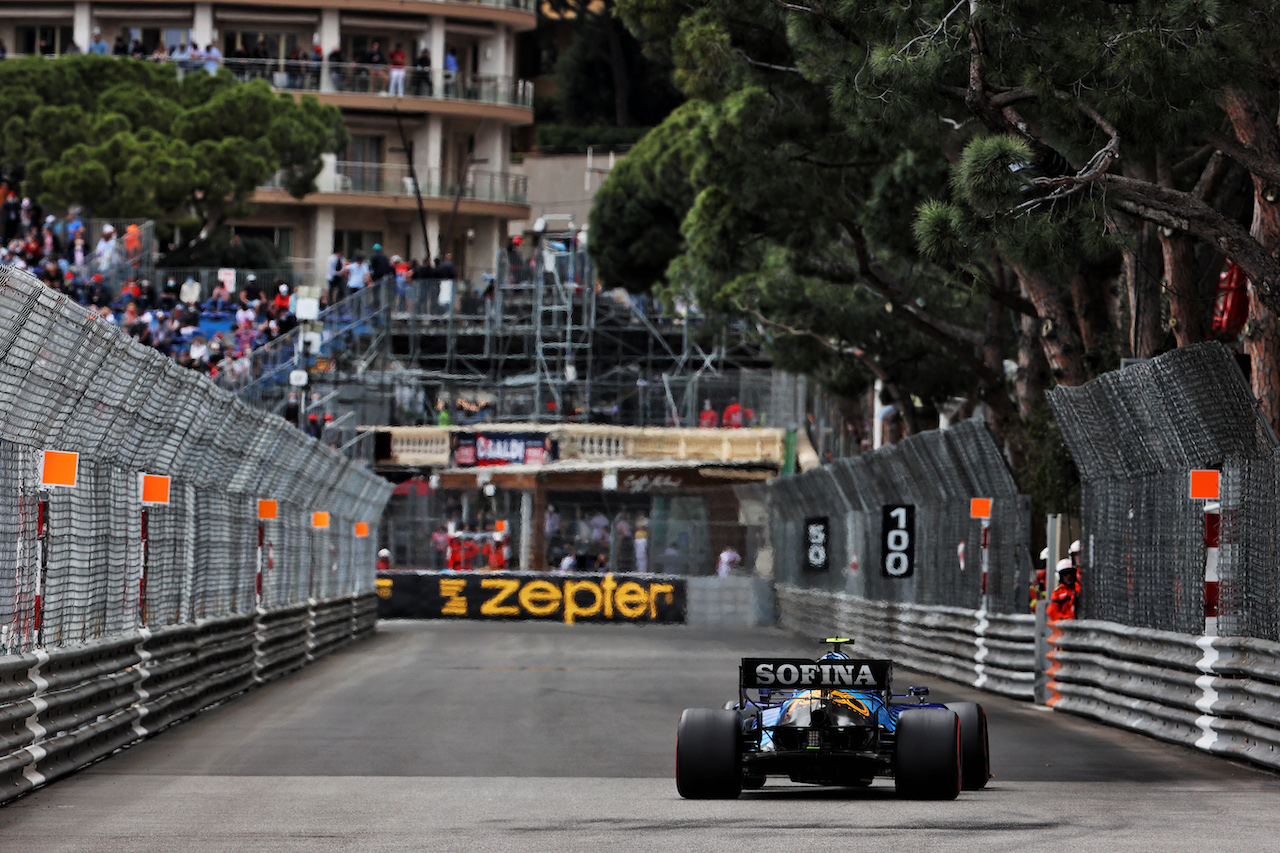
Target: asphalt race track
{"points": [[521, 736]]}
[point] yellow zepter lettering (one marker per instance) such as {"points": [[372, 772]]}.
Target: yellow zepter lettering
{"points": [[454, 603]]}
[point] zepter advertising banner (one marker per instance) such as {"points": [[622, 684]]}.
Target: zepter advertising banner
{"points": [[502, 595]]}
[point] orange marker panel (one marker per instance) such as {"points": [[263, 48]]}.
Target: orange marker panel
{"points": [[320, 520], [362, 529], [60, 468], [267, 510], [1205, 485], [155, 489], [979, 507]]}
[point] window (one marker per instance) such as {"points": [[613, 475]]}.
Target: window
{"points": [[44, 40], [351, 242], [281, 238]]}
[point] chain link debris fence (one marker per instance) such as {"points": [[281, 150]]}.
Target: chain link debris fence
{"points": [[931, 477], [74, 563], [1135, 435]]}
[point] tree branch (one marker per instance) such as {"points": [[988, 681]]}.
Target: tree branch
{"points": [[1251, 159]]}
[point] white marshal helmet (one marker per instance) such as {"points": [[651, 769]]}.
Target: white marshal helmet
{"points": [[384, 554], [1075, 547], [1065, 565]]}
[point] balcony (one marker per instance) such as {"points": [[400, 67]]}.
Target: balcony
{"points": [[359, 79], [394, 181], [606, 445]]}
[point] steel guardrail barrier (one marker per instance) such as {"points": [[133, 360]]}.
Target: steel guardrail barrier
{"points": [[1217, 694], [65, 708], [989, 651]]}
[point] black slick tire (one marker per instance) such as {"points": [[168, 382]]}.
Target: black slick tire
{"points": [[708, 757], [975, 752], [926, 762]]}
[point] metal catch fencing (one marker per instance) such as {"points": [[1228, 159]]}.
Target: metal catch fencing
{"points": [[1135, 435], [85, 563], [928, 480]]}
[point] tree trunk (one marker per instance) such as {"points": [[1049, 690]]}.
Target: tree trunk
{"points": [[1140, 273], [1033, 369], [1262, 331], [1058, 335], [1180, 286], [621, 74], [1178, 251], [1093, 296]]}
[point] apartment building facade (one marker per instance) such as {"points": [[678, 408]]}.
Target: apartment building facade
{"points": [[426, 170]]}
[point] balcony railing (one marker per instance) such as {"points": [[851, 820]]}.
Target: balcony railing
{"points": [[310, 75], [605, 444], [395, 180]]}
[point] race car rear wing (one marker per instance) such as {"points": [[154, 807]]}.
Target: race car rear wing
{"points": [[805, 673]]}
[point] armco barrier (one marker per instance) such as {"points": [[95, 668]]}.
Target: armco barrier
{"points": [[65, 708], [731, 602], [988, 651], [1218, 694]]}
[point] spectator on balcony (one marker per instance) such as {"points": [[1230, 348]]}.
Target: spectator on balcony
{"points": [[379, 264], [251, 293], [281, 302], [4, 51], [377, 62], [295, 69], [168, 299], [397, 61], [709, 418], [179, 55], [136, 50], [337, 276], [195, 56], [161, 53], [357, 273], [98, 47], [132, 244], [445, 268], [422, 74], [337, 70], [97, 294], [261, 65], [120, 47], [314, 64], [212, 58], [105, 254], [736, 415], [451, 73]]}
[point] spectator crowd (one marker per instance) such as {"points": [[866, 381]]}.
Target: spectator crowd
{"points": [[102, 273]]}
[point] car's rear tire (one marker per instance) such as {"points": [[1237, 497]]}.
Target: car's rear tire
{"points": [[975, 751], [708, 754], [926, 763]]}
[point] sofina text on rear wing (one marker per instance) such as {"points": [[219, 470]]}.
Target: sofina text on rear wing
{"points": [[804, 673]]}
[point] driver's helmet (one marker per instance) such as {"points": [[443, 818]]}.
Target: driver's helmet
{"points": [[835, 656]]}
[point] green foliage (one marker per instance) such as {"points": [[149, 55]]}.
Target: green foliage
{"points": [[129, 139], [573, 139], [1048, 475], [603, 77], [639, 208]]}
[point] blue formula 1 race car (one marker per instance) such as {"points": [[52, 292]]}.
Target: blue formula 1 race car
{"points": [[833, 721]]}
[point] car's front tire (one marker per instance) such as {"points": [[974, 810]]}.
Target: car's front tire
{"points": [[708, 755], [926, 763], [975, 752]]}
